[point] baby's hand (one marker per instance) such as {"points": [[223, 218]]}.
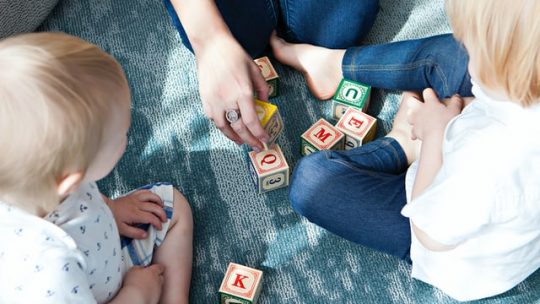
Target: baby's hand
{"points": [[432, 115], [139, 207], [147, 281]]}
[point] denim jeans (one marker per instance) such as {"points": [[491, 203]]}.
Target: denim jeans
{"points": [[357, 194], [328, 23], [438, 62]]}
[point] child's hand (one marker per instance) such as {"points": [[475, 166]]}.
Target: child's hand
{"points": [[139, 207], [148, 281], [431, 116]]}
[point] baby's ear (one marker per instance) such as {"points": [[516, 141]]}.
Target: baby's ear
{"points": [[69, 183]]}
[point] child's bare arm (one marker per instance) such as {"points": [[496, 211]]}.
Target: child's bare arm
{"points": [[429, 120]]}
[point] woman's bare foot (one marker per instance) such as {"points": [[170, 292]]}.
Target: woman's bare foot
{"points": [[321, 66], [401, 130]]}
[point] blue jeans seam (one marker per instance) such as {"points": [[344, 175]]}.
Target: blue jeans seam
{"points": [[350, 68], [273, 10], [385, 144]]}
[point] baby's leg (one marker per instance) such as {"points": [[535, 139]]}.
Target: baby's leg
{"points": [[176, 252]]}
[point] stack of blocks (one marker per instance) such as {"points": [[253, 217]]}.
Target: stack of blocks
{"points": [[241, 285], [353, 127], [269, 168]]}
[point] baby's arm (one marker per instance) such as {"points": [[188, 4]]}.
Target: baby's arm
{"points": [[429, 120], [139, 207]]}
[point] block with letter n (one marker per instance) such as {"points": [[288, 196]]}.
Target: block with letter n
{"points": [[241, 285], [269, 169], [270, 119], [350, 94], [321, 136], [269, 74], [358, 128]]}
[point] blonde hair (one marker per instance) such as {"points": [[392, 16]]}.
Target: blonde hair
{"points": [[503, 37], [56, 96]]}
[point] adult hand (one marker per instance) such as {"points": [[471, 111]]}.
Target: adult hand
{"points": [[432, 115], [139, 207], [228, 77]]}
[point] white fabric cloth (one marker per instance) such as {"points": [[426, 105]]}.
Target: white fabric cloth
{"points": [[485, 200]]}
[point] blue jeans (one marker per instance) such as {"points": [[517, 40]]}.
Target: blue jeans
{"points": [[357, 194], [438, 62], [328, 23]]}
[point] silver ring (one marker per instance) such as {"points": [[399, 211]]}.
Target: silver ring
{"points": [[232, 115]]}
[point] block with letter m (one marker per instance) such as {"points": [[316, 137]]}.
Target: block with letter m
{"points": [[321, 136]]}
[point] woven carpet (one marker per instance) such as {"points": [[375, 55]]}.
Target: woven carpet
{"points": [[171, 140]]}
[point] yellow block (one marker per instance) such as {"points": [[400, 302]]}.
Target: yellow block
{"points": [[265, 111]]}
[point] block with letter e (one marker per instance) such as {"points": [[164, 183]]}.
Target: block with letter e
{"points": [[241, 285], [269, 74], [350, 94], [270, 119], [358, 128], [321, 136], [269, 169]]}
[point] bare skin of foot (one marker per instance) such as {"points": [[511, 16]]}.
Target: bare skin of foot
{"points": [[401, 130], [321, 66]]}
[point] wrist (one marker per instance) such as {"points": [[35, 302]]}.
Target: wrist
{"points": [[202, 22]]}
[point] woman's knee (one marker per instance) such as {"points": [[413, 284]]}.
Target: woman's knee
{"points": [[331, 23]]}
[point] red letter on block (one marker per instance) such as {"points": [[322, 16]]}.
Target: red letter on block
{"points": [[356, 123], [238, 282], [322, 136], [269, 159]]}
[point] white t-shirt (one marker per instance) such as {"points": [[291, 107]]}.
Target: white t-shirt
{"points": [[485, 199], [71, 256]]}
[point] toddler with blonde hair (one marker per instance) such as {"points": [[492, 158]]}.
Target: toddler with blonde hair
{"points": [[466, 212], [64, 117]]}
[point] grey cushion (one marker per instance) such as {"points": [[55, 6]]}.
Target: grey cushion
{"points": [[18, 16]]}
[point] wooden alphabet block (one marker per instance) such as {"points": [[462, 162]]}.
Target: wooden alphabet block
{"points": [[269, 74], [321, 136], [358, 128], [269, 169], [350, 94], [241, 285], [270, 119]]}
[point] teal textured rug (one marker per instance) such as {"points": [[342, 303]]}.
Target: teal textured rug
{"points": [[171, 140]]}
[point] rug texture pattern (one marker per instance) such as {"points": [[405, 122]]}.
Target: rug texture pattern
{"points": [[171, 140]]}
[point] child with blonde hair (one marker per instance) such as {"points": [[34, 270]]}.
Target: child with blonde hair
{"points": [[466, 212], [64, 117]]}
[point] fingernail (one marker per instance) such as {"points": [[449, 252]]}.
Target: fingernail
{"points": [[256, 149]]}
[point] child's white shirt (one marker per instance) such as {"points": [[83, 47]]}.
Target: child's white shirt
{"points": [[485, 200], [80, 238]]}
